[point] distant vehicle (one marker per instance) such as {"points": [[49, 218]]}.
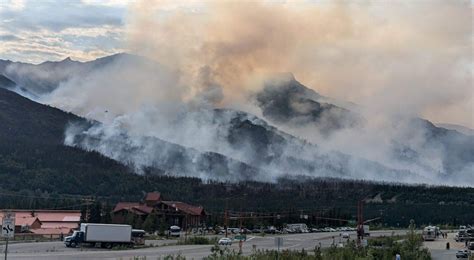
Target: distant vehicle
{"points": [[366, 231], [345, 235], [462, 235], [233, 230], [298, 228], [107, 235], [470, 234], [174, 231], [457, 238], [245, 231], [225, 241], [463, 253], [471, 246], [270, 230], [429, 233]]}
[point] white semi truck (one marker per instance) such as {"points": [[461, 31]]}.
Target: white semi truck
{"points": [[107, 235]]}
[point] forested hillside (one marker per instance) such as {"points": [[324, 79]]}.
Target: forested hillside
{"points": [[38, 171]]}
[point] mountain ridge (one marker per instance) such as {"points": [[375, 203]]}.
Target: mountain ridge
{"points": [[284, 102]]}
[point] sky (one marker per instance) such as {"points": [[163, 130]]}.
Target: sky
{"points": [[36, 31], [380, 50]]}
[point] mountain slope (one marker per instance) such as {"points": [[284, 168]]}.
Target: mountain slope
{"points": [[6, 82], [415, 143], [284, 100], [36, 80], [32, 154], [227, 144], [32, 139], [461, 129], [229, 136]]}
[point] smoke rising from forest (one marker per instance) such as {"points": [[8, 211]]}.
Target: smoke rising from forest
{"points": [[390, 62]]}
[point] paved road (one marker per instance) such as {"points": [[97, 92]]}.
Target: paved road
{"points": [[56, 250], [438, 248]]}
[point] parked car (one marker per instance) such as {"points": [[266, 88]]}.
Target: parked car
{"points": [[270, 230], [345, 235], [471, 246], [463, 253], [245, 231], [225, 241]]}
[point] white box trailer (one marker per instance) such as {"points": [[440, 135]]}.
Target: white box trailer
{"points": [[106, 233]]}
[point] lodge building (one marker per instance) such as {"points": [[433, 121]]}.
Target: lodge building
{"points": [[172, 212]]}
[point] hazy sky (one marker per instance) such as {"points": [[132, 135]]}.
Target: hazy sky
{"points": [[415, 57], [39, 30]]}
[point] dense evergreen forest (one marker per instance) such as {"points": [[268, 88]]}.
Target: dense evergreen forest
{"points": [[38, 171], [395, 204]]}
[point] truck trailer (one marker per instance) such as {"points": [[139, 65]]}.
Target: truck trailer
{"points": [[106, 235]]}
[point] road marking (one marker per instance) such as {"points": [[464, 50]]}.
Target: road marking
{"points": [[250, 238]]}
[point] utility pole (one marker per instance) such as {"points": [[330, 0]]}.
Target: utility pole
{"points": [[360, 221], [240, 222], [88, 201], [226, 216]]}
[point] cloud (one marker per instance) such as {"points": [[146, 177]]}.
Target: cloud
{"points": [[15, 5], [58, 29], [8, 37]]}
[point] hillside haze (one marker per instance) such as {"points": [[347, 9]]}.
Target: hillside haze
{"points": [[284, 129], [35, 162]]}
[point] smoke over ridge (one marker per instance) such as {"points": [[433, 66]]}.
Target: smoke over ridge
{"points": [[389, 63]]}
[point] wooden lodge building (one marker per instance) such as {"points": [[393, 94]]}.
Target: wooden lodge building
{"points": [[173, 212]]}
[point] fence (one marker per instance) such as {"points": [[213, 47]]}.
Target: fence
{"points": [[36, 237]]}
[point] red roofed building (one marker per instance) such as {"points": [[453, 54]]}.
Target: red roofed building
{"points": [[172, 212], [187, 215], [152, 198], [122, 209], [45, 221]]}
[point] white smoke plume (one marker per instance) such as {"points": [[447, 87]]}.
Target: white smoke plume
{"points": [[394, 63]]}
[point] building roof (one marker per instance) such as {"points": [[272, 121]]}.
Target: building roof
{"points": [[134, 207], [47, 218], [25, 220], [125, 205], [46, 215], [71, 225], [186, 208], [144, 209], [153, 196], [59, 216]]}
